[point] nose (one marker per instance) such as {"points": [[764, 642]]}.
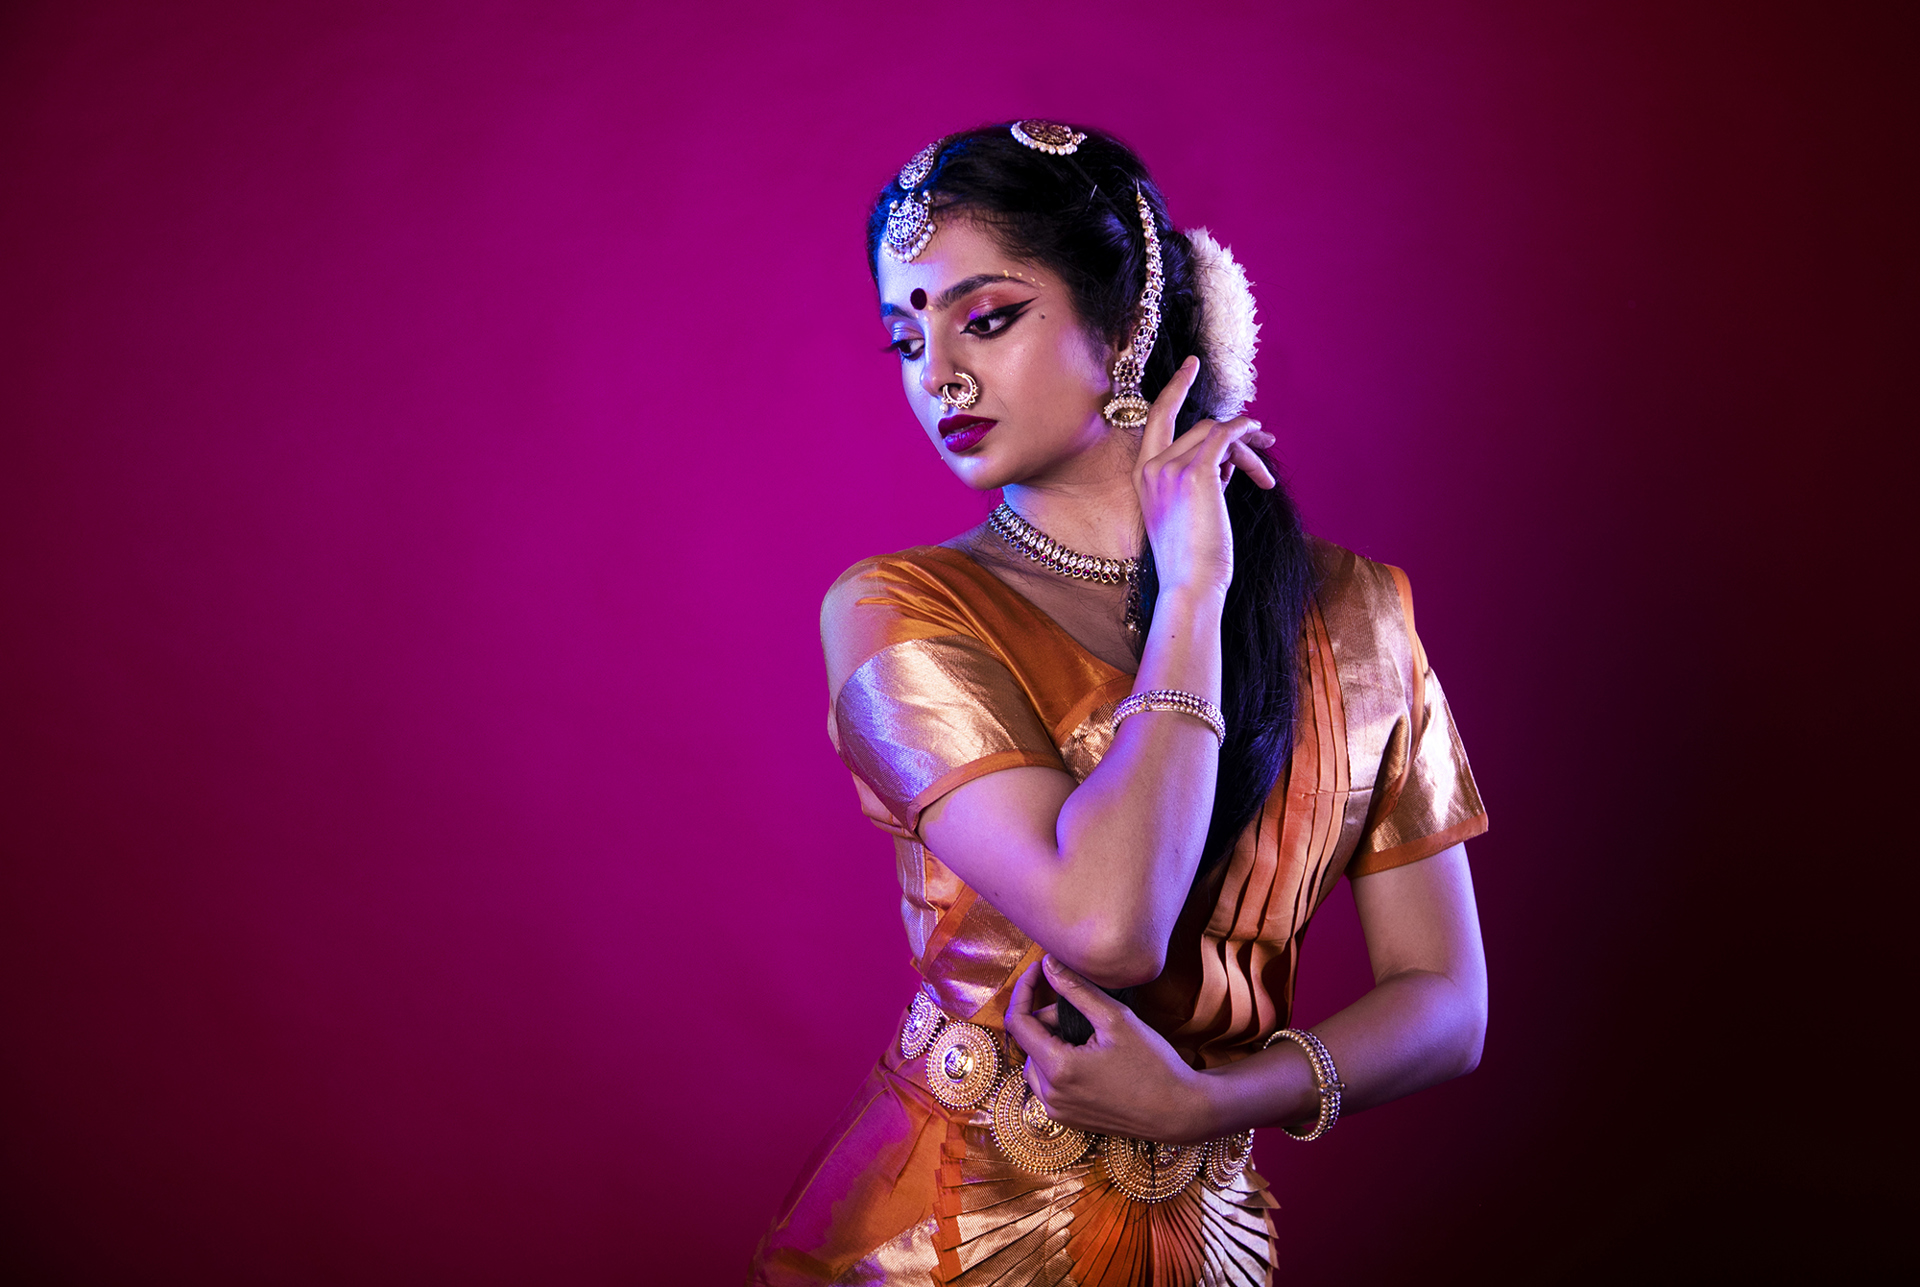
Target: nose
{"points": [[936, 371]]}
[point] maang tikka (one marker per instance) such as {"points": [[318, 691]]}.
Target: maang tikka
{"points": [[910, 227], [910, 219]]}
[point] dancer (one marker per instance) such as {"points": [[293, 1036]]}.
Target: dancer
{"points": [[1126, 735]]}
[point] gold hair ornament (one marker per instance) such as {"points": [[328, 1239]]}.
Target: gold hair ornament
{"points": [[910, 218], [1129, 409], [1049, 136]]}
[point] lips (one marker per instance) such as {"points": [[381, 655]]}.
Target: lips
{"points": [[963, 432]]}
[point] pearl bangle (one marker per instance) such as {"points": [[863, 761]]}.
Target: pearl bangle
{"points": [[1325, 1076], [1172, 699]]}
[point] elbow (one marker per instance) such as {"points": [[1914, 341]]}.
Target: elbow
{"points": [[1470, 1060], [1115, 961], [1128, 973], [1473, 1036]]}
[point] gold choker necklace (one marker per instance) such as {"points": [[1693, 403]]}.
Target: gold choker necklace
{"points": [[1055, 557]]}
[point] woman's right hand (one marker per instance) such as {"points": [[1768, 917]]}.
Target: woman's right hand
{"points": [[1182, 487]]}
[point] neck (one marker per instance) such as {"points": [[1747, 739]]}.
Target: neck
{"points": [[1098, 516]]}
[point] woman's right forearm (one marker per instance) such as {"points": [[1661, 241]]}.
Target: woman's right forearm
{"points": [[1183, 646], [1130, 836], [1097, 871]]}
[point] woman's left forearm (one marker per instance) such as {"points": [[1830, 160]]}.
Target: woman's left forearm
{"points": [[1411, 1031], [1423, 1022]]}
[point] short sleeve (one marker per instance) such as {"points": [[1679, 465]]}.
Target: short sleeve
{"points": [[919, 704], [1426, 799]]}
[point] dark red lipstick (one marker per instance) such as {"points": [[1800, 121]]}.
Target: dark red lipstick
{"points": [[961, 433]]}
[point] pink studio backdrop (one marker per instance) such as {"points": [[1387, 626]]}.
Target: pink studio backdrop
{"points": [[429, 428]]}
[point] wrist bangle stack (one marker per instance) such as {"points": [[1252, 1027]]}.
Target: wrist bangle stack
{"points": [[1172, 699], [1325, 1076]]}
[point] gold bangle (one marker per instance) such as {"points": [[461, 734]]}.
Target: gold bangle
{"points": [[1325, 1076], [1173, 699]]}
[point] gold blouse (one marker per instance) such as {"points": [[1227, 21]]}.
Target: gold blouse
{"points": [[940, 673]]}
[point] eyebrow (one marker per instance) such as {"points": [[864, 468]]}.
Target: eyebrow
{"points": [[947, 297]]}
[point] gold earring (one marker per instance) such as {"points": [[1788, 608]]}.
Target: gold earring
{"points": [[1129, 407], [963, 400]]}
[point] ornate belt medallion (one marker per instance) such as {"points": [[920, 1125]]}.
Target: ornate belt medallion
{"points": [[1151, 1171], [1227, 1157], [965, 1068], [963, 1063], [923, 1021], [1031, 1140]]}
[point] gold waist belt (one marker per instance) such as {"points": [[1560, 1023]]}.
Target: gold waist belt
{"points": [[967, 1067]]}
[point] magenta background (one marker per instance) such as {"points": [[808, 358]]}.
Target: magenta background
{"points": [[429, 428]]}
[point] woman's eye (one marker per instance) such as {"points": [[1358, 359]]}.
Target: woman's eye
{"points": [[996, 321], [907, 346]]}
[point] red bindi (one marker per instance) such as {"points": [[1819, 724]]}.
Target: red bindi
{"points": [[918, 298]]}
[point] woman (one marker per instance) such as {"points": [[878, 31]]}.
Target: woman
{"points": [[1126, 735]]}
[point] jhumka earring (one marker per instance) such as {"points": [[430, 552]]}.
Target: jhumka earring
{"points": [[910, 219], [1129, 409], [968, 395]]}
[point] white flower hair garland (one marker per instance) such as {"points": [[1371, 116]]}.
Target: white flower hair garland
{"points": [[1227, 324]]}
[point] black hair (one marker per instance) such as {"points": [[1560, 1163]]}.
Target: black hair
{"points": [[1077, 216]]}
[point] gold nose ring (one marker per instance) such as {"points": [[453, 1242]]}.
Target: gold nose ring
{"points": [[963, 400]]}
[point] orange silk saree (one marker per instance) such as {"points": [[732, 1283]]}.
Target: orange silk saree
{"points": [[940, 673]]}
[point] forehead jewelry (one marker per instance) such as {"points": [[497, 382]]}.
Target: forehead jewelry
{"points": [[1049, 136], [910, 219], [1129, 409], [968, 395]]}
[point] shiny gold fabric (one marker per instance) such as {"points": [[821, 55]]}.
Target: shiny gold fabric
{"points": [[939, 674], [922, 711]]}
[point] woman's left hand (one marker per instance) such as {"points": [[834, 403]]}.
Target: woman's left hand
{"points": [[1126, 1080]]}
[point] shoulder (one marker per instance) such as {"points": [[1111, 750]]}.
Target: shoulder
{"points": [[921, 578], [1340, 575], [1367, 605], [924, 592]]}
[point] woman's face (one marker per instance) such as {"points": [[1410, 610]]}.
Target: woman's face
{"points": [[966, 305]]}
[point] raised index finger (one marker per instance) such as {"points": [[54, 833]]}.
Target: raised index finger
{"points": [[1159, 432]]}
